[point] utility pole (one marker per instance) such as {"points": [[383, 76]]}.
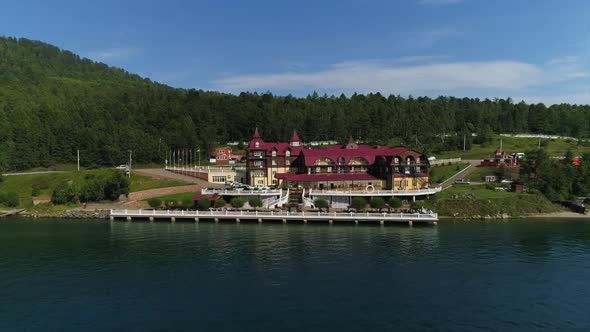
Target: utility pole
{"points": [[130, 163], [464, 142], [199, 152], [78, 160]]}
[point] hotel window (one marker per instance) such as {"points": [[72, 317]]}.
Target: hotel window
{"points": [[309, 170], [218, 179], [258, 163], [418, 169], [257, 144], [414, 182], [274, 153], [405, 183], [318, 169], [287, 162], [260, 181], [288, 153], [329, 169], [274, 162], [258, 154], [274, 173]]}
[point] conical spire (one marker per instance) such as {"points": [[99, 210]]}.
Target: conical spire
{"points": [[351, 140], [256, 133], [295, 137]]}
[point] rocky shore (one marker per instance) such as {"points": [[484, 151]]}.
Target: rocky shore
{"points": [[70, 214]]}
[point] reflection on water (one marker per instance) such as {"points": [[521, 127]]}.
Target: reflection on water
{"points": [[517, 275]]}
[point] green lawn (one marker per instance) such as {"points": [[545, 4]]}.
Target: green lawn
{"points": [[23, 184], [46, 183], [140, 182], [554, 147], [478, 200], [439, 174]]}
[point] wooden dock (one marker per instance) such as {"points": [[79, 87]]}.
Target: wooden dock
{"points": [[275, 216], [10, 213]]}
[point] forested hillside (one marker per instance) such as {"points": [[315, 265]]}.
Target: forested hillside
{"points": [[52, 102]]}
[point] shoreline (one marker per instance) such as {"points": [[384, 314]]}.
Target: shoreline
{"points": [[104, 214]]}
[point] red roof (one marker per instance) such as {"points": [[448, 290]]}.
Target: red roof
{"points": [[256, 133], [367, 152], [326, 177], [295, 137]]}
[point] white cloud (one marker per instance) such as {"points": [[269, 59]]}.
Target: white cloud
{"points": [[366, 77], [118, 53], [580, 98]]}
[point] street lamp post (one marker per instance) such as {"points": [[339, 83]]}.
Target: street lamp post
{"points": [[130, 163]]}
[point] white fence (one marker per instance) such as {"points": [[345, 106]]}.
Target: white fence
{"points": [[437, 162]]}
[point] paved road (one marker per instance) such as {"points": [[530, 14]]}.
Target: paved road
{"points": [[28, 173], [449, 182]]}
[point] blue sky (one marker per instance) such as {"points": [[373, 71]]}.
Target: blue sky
{"points": [[537, 50]]}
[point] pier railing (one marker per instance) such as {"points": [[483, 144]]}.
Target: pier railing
{"points": [[409, 192], [239, 192], [431, 216]]}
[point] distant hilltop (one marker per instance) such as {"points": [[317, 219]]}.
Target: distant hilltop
{"points": [[54, 102]]}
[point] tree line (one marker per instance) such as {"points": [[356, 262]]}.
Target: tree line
{"points": [[53, 102]]}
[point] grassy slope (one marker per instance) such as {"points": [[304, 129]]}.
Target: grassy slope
{"points": [[468, 201], [554, 147], [439, 174], [176, 197], [22, 184]]}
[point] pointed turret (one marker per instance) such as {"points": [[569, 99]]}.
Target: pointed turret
{"points": [[351, 143], [351, 140], [295, 141], [256, 142]]}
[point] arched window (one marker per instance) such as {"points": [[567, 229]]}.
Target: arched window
{"points": [[358, 161], [274, 153], [324, 161], [288, 153], [257, 144]]}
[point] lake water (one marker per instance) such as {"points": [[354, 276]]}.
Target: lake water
{"points": [[130, 276]]}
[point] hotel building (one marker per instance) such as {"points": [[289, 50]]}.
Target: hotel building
{"points": [[350, 167]]}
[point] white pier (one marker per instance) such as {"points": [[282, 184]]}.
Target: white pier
{"points": [[276, 216]]}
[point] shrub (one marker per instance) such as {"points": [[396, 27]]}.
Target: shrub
{"points": [[394, 203], [219, 203], [377, 203], [154, 202], [63, 195], [203, 203], [237, 202], [188, 203], [9, 199], [321, 203], [255, 202], [358, 203]]}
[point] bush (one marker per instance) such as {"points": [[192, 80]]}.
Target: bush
{"points": [[219, 203], [321, 203], [154, 202], [63, 195], [203, 203], [394, 203], [358, 203], [377, 203], [237, 202], [188, 203], [255, 202], [9, 199]]}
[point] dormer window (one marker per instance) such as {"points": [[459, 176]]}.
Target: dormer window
{"points": [[274, 153], [257, 144], [288, 153]]}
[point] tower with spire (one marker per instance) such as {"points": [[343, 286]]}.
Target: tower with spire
{"points": [[295, 141]]}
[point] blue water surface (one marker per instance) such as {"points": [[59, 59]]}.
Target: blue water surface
{"points": [[527, 275]]}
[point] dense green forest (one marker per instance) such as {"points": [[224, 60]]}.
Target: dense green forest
{"points": [[52, 102]]}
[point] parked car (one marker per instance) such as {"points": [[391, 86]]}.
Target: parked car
{"points": [[462, 181], [261, 187], [125, 167]]}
